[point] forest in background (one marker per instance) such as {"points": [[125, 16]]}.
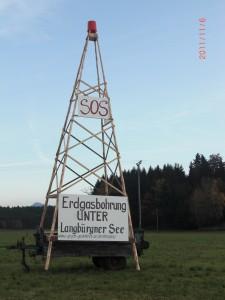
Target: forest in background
{"points": [[170, 198]]}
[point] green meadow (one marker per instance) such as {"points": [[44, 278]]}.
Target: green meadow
{"points": [[178, 265]]}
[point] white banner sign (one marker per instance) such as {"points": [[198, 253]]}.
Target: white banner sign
{"points": [[92, 218], [93, 107]]}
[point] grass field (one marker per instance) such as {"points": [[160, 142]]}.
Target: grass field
{"points": [[178, 265]]}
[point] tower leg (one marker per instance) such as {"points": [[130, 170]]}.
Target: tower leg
{"points": [[48, 258], [47, 262], [133, 245]]}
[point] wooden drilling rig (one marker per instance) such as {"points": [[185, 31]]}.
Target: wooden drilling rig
{"points": [[87, 152]]}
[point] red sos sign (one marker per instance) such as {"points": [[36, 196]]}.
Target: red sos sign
{"points": [[93, 107]]}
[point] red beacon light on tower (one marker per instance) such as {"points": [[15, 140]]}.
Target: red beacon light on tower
{"points": [[92, 30]]}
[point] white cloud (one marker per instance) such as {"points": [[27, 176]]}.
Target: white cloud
{"points": [[23, 16]]}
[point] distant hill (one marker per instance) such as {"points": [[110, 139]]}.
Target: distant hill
{"points": [[37, 204]]}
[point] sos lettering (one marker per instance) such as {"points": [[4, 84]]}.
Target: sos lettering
{"points": [[94, 108]]}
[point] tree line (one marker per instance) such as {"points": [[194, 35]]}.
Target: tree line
{"points": [[170, 198], [26, 217]]}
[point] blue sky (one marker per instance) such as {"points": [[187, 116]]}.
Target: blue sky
{"points": [[167, 103]]}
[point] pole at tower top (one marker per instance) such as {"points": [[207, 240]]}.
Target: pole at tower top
{"points": [[92, 30]]}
